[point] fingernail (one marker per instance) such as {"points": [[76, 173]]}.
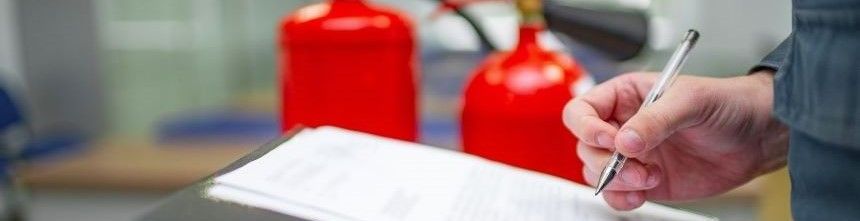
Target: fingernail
{"points": [[633, 198], [604, 140], [631, 177], [653, 177], [631, 141]]}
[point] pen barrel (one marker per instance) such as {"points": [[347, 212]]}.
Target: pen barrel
{"points": [[673, 67], [617, 161], [666, 78]]}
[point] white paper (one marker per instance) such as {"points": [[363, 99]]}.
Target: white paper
{"points": [[334, 174]]}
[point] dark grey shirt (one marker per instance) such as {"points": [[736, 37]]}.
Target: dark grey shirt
{"points": [[816, 86], [816, 93]]}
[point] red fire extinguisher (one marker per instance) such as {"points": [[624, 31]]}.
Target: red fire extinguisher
{"points": [[349, 64], [513, 104]]}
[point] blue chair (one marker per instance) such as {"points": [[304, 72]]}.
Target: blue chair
{"points": [[11, 120], [18, 145]]}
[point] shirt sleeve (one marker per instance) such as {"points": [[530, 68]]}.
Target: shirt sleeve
{"points": [[774, 60]]}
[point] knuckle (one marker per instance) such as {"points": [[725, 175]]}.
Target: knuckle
{"points": [[588, 159], [569, 115], [589, 132], [589, 176], [569, 106], [582, 130], [581, 152]]}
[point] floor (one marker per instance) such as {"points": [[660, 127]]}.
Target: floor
{"points": [[89, 205]]}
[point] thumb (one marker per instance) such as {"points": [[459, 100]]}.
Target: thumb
{"points": [[652, 124]]}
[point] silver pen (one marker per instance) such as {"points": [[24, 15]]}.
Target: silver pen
{"points": [[667, 77]]}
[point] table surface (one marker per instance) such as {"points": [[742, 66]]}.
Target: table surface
{"points": [[136, 165], [123, 164], [119, 164]]}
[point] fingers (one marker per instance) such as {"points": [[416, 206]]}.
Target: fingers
{"points": [[650, 126], [633, 176], [624, 200], [617, 99], [586, 115], [626, 192], [582, 119]]}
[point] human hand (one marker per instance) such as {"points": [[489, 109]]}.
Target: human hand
{"points": [[703, 137]]}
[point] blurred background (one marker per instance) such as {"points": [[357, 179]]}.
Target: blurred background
{"points": [[116, 103]]}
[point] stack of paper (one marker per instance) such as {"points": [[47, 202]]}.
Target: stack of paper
{"points": [[334, 174]]}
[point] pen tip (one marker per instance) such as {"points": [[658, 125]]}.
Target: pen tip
{"points": [[599, 189], [605, 177]]}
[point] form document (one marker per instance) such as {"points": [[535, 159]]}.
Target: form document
{"points": [[330, 173]]}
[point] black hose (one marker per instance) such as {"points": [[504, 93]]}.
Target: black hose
{"points": [[486, 45]]}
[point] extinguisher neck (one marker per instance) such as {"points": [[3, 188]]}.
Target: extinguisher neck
{"points": [[531, 24], [347, 1], [531, 12], [528, 38]]}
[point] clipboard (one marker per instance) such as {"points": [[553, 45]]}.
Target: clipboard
{"points": [[191, 204], [257, 188]]}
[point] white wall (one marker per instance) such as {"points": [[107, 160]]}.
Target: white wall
{"points": [[9, 58], [60, 65], [736, 34], [11, 69]]}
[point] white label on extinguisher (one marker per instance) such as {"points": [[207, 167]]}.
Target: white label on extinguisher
{"points": [[582, 85]]}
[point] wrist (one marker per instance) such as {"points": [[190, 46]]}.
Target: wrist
{"points": [[773, 142], [757, 88], [764, 76], [774, 148]]}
